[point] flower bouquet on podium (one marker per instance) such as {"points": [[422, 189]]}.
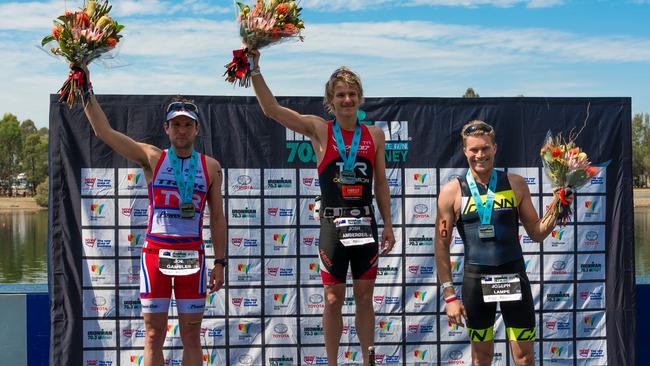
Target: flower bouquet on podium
{"points": [[568, 168], [81, 37], [266, 23]]}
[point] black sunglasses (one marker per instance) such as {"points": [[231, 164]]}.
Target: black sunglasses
{"points": [[182, 106], [483, 127]]}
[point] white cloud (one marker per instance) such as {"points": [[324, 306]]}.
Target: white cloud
{"points": [[352, 5], [39, 15], [399, 58]]}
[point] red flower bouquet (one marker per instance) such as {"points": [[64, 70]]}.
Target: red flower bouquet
{"points": [[267, 23], [568, 168], [81, 37]]}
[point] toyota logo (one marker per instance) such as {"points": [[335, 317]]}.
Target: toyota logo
{"points": [[559, 265], [316, 299], [245, 359], [280, 328], [421, 208], [244, 179], [453, 176], [592, 235], [456, 355], [99, 301]]}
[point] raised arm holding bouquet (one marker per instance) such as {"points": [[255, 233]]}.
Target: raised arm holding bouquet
{"points": [[267, 23], [568, 168], [81, 37]]}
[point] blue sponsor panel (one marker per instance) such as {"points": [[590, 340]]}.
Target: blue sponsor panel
{"points": [[559, 267], [309, 183], [420, 270], [98, 242], [133, 211], [421, 329], [313, 356], [284, 356], [245, 301], [281, 331], [557, 353], [99, 303], [280, 301], [245, 271], [280, 212], [244, 242], [131, 182], [591, 208], [557, 296], [97, 212], [244, 212], [388, 329], [246, 357], [109, 358], [419, 240], [280, 241], [591, 238], [591, 266], [312, 333], [280, 182], [557, 325], [420, 181], [243, 182], [387, 299], [455, 354], [420, 211], [97, 182], [560, 239], [591, 295], [244, 331], [280, 271], [591, 352]]}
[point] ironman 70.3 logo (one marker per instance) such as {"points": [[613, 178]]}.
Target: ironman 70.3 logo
{"points": [[395, 132]]}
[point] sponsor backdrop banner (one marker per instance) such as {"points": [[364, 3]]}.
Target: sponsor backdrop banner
{"points": [[582, 275]]}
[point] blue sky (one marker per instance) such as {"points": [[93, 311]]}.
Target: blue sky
{"points": [[431, 48]]}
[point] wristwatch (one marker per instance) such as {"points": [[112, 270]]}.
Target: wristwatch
{"points": [[222, 261]]}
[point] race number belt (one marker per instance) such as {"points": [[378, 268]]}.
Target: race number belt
{"points": [[501, 287], [178, 262], [354, 231], [332, 212]]}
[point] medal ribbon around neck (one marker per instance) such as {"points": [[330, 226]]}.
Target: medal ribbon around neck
{"points": [[185, 186], [484, 210], [348, 159]]}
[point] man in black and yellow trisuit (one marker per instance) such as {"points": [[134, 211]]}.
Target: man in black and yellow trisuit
{"points": [[486, 206]]}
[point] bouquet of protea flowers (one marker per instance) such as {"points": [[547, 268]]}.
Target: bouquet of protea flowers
{"points": [[81, 37], [569, 168], [268, 22]]}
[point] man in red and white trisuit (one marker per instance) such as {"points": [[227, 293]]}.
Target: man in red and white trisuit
{"points": [[180, 183], [350, 158]]}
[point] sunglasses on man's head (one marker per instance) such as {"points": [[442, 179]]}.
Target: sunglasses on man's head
{"points": [[483, 127], [182, 106], [340, 72]]}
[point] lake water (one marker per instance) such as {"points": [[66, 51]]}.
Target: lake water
{"points": [[23, 245]]}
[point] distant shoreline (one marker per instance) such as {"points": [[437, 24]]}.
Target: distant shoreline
{"points": [[28, 203], [19, 203]]}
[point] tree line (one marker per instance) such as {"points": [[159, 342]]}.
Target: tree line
{"points": [[23, 150]]}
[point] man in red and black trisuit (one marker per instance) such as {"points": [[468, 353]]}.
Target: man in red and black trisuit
{"points": [[350, 159]]}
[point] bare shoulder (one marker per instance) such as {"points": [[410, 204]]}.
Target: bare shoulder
{"points": [[450, 189], [517, 182], [213, 165]]}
